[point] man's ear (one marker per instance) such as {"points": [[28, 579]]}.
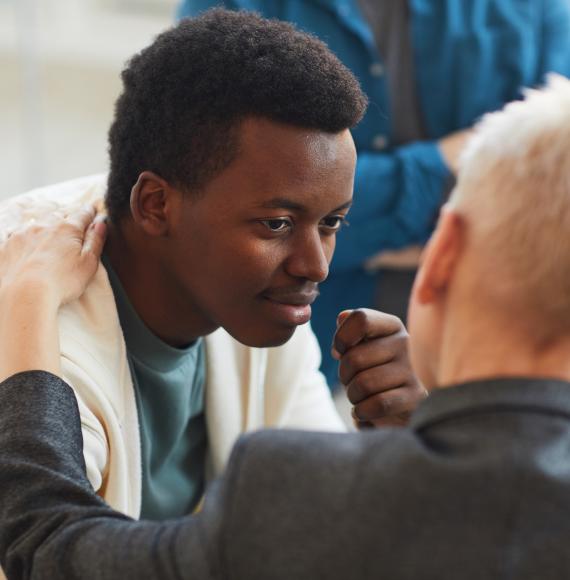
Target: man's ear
{"points": [[440, 257], [151, 201]]}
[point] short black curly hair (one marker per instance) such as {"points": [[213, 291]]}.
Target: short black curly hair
{"points": [[185, 95]]}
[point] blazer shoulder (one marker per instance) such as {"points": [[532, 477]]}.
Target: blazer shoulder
{"points": [[270, 458]]}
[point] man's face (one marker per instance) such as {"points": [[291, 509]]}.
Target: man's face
{"points": [[249, 251]]}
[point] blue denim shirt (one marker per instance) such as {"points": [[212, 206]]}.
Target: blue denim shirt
{"points": [[471, 57]]}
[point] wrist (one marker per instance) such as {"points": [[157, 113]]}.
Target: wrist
{"points": [[33, 294], [28, 329]]}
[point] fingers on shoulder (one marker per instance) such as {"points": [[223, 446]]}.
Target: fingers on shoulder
{"points": [[82, 217], [95, 239]]}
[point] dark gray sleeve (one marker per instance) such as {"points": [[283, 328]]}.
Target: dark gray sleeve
{"points": [[53, 525]]}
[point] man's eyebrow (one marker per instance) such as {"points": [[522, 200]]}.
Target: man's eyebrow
{"points": [[343, 206], [284, 203]]}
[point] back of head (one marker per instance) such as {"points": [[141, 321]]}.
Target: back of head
{"points": [[185, 95], [514, 191]]}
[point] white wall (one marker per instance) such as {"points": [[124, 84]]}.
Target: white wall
{"points": [[60, 62]]}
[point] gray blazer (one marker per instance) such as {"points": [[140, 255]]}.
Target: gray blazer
{"points": [[478, 487]]}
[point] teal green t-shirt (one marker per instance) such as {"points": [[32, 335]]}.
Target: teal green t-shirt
{"points": [[169, 386]]}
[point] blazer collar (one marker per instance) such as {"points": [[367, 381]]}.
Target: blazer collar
{"points": [[533, 394]]}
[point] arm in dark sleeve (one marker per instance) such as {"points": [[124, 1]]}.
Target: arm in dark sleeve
{"points": [[53, 525]]}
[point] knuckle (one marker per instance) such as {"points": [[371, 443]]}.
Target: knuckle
{"points": [[399, 344], [375, 408], [353, 359], [344, 373], [402, 334], [396, 322], [365, 384], [339, 344], [361, 316], [385, 405], [89, 259], [361, 413], [388, 406], [397, 376]]}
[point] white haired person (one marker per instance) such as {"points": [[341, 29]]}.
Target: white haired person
{"points": [[476, 486]]}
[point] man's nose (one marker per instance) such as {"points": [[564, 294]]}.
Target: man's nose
{"points": [[310, 258]]}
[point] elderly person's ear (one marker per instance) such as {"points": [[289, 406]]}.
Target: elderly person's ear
{"points": [[440, 256]]}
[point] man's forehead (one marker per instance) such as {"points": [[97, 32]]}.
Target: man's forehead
{"points": [[273, 135], [290, 204], [279, 152], [281, 166]]}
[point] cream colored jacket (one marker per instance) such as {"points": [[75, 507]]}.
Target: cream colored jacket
{"points": [[246, 388]]}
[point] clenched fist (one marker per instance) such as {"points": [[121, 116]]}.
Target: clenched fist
{"points": [[372, 349]]}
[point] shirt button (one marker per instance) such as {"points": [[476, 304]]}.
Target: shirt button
{"points": [[379, 142], [376, 69]]}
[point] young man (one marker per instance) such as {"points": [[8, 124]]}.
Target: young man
{"points": [[477, 487], [232, 169], [432, 68]]}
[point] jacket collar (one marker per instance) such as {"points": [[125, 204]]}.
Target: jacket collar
{"points": [[533, 395]]}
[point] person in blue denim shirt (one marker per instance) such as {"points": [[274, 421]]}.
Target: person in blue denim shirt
{"points": [[430, 68]]}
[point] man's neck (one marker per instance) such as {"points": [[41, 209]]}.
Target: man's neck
{"points": [[484, 349], [167, 313]]}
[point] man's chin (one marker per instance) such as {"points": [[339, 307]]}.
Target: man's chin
{"points": [[266, 338]]}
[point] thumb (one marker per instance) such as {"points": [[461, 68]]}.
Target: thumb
{"points": [[342, 317], [339, 322]]}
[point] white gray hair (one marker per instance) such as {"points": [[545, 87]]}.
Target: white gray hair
{"points": [[514, 191]]}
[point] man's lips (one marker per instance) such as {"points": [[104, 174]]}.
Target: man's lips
{"points": [[293, 298], [291, 307]]}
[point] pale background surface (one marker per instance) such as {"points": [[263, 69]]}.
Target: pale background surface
{"points": [[60, 62]]}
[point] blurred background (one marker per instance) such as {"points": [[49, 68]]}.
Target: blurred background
{"points": [[60, 62]]}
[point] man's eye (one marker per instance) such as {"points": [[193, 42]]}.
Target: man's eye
{"points": [[334, 222], [277, 224]]}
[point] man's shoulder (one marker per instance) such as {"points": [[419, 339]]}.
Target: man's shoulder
{"points": [[92, 345], [89, 323], [85, 189], [41, 202]]}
